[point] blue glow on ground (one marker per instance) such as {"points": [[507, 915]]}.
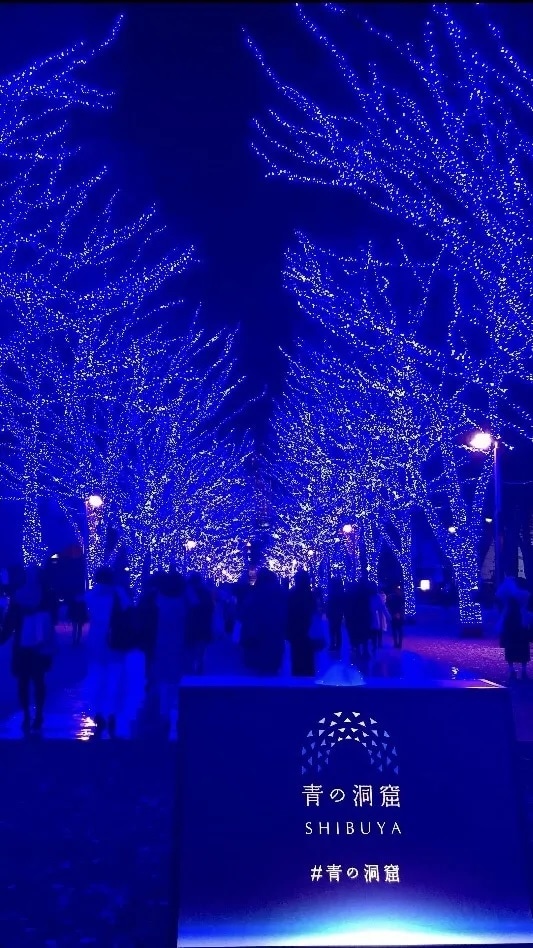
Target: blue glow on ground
{"points": [[274, 933], [400, 934]]}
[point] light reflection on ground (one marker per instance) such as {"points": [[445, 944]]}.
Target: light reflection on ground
{"points": [[433, 648]]}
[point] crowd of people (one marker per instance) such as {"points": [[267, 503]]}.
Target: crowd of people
{"points": [[154, 641], [269, 613], [164, 634]]}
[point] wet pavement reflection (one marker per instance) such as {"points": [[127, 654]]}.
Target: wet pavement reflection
{"points": [[432, 650]]}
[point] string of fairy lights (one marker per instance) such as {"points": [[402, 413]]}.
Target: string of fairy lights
{"points": [[379, 418], [107, 397], [443, 147], [101, 395]]}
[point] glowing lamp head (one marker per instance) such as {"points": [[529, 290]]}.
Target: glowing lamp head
{"points": [[481, 441], [190, 545], [425, 585], [347, 529], [95, 501], [452, 529]]}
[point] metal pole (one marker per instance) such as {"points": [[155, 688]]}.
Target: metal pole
{"points": [[497, 511]]}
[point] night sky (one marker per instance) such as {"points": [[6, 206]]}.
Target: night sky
{"points": [[187, 89]]}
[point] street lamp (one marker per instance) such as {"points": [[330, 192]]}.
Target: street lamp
{"points": [[189, 546], [95, 528], [95, 501], [481, 441], [484, 441], [350, 536]]}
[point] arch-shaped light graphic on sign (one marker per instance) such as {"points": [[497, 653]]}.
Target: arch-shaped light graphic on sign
{"points": [[349, 726]]}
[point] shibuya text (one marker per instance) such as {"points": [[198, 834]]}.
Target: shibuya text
{"points": [[352, 828]]}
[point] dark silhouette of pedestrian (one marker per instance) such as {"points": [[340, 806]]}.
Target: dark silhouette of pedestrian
{"points": [[264, 625], [514, 637], [198, 622], [78, 615], [168, 664], [301, 608], [147, 621], [228, 603], [358, 617], [29, 620], [379, 616], [335, 612], [396, 607]]}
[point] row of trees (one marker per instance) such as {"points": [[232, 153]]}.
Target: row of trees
{"points": [[106, 391], [428, 337]]}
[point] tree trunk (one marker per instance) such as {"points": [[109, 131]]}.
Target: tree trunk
{"points": [[465, 567], [140, 548], [355, 560], [406, 566], [32, 538], [372, 551], [96, 535], [404, 554]]}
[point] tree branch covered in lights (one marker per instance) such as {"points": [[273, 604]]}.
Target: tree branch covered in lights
{"points": [[100, 393], [34, 108], [383, 399], [134, 410], [181, 497], [311, 501], [352, 492], [75, 367], [437, 136]]}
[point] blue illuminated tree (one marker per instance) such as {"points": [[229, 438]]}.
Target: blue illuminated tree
{"points": [[35, 106], [180, 496], [343, 466], [106, 391], [132, 409], [383, 398], [312, 500], [76, 363], [436, 135]]}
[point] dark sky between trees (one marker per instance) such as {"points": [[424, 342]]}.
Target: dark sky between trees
{"points": [[179, 134]]}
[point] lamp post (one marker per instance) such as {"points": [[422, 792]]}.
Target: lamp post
{"points": [[94, 513], [95, 501], [311, 565], [484, 441], [189, 546], [349, 535]]}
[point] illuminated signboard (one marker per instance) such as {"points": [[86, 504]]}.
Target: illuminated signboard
{"points": [[383, 814]]}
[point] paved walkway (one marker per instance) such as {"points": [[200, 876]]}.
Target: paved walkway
{"points": [[432, 649]]}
